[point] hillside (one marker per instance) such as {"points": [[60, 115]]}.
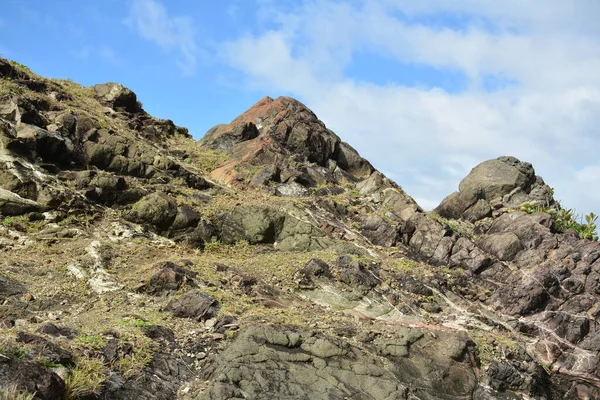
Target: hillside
{"points": [[269, 260]]}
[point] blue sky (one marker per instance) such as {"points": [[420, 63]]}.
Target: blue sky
{"points": [[425, 90]]}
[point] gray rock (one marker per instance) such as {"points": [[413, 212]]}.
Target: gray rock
{"points": [[13, 204], [157, 209], [195, 305], [167, 277], [500, 183], [10, 287], [32, 378], [505, 246], [117, 96]]}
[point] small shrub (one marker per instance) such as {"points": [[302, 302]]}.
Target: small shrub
{"points": [[565, 219]]}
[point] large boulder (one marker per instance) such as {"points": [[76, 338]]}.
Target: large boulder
{"points": [[13, 204], [117, 97], [158, 209], [32, 378], [193, 304], [495, 184], [277, 363]]}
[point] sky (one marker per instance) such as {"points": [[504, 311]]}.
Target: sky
{"points": [[425, 90]]}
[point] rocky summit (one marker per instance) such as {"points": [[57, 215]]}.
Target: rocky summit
{"points": [[269, 260]]}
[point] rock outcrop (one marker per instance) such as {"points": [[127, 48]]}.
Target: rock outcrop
{"points": [[495, 185], [270, 260]]}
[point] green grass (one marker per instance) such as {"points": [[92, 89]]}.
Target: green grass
{"points": [[96, 342], [565, 219], [22, 223], [133, 321]]}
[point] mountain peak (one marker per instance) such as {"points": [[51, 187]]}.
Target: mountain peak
{"points": [[280, 132]]}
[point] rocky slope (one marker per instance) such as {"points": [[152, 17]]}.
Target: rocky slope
{"points": [[270, 260]]}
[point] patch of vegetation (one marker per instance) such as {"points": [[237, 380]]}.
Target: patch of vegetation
{"points": [[240, 248], [565, 219], [9, 348], [12, 392], [142, 348], [49, 364], [86, 378], [19, 65], [404, 264], [133, 321], [205, 160], [95, 342], [22, 223], [492, 346], [132, 364], [352, 193], [454, 225]]}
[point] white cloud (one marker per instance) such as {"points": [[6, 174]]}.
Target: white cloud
{"points": [[109, 55], [103, 52], [172, 33], [427, 137]]}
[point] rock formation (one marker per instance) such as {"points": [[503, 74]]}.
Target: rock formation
{"points": [[270, 260]]}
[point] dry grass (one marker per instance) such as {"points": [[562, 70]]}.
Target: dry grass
{"points": [[12, 392], [86, 378]]}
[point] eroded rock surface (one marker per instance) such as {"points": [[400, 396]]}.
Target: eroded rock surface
{"points": [[270, 260]]}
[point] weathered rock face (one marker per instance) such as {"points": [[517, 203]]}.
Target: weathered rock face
{"points": [[495, 184], [302, 273], [267, 362], [287, 135]]}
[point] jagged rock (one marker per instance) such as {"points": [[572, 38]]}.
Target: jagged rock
{"points": [[356, 274], [379, 231], [193, 304], [280, 133], [292, 189], [505, 246], [46, 350], [269, 362], [13, 204], [33, 378], [217, 140], [159, 380], [9, 109], [56, 331], [313, 270], [158, 332], [167, 277], [117, 96], [500, 183], [10, 287], [265, 362], [504, 376]]}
